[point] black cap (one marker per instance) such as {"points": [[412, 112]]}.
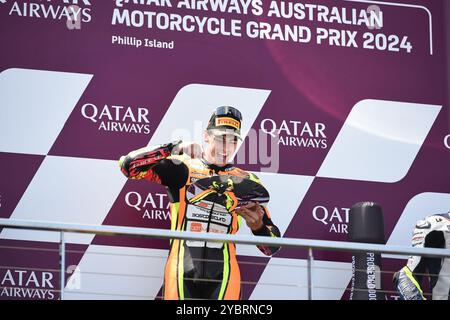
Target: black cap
{"points": [[225, 120]]}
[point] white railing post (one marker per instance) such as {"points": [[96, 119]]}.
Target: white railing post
{"points": [[62, 254], [310, 276]]}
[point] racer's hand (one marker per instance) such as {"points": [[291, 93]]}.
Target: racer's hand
{"points": [[192, 149], [253, 214]]}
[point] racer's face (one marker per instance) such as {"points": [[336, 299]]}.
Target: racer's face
{"points": [[220, 148]]}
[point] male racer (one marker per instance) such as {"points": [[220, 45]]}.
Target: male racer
{"points": [[431, 232], [199, 269]]}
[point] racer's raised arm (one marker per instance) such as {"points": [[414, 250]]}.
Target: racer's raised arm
{"points": [[156, 164]]}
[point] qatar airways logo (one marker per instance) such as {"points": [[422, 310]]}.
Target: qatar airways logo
{"points": [[74, 12], [334, 219], [27, 284], [153, 206], [36, 285], [293, 133], [117, 118]]}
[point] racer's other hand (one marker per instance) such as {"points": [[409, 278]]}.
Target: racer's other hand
{"points": [[253, 215], [192, 149]]}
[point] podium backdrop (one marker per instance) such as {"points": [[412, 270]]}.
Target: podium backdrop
{"points": [[343, 102]]}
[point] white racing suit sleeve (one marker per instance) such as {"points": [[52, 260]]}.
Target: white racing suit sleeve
{"points": [[407, 286], [431, 232]]}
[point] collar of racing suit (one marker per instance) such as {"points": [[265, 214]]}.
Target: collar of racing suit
{"points": [[216, 168]]}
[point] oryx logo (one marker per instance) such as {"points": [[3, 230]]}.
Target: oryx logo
{"points": [[117, 118], [74, 12]]}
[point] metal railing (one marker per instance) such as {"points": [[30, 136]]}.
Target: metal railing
{"points": [[309, 245]]}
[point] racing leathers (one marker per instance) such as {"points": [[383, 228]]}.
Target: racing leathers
{"points": [[431, 232], [196, 269]]}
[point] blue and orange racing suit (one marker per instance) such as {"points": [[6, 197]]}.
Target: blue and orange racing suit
{"points": [[196, 269]]}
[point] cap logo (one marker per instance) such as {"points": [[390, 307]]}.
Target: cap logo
{"points": [[228, 122]]}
